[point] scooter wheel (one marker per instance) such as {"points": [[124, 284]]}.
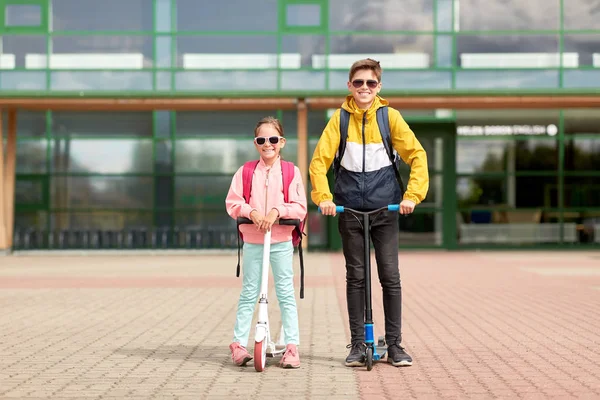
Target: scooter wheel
{"points": [[369, 358], [260, 355]]}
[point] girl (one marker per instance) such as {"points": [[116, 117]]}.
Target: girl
{"points": [[265, 206]]}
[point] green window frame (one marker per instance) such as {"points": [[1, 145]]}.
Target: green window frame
{"points": [[323, 17], [42, 28]]}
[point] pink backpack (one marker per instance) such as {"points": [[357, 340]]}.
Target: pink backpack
{"points": [[287, 172]]}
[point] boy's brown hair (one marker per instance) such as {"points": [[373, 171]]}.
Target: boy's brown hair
{"points": [[367, 63], [271, 121]]}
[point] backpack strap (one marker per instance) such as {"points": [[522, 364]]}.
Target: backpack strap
{"points": [[383, 121], [344, 121], [288, 171], [247, 173]]}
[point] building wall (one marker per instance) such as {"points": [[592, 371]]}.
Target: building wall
{"points": [[98, 173], [149, 46]]}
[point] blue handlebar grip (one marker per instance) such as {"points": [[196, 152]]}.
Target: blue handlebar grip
{"points": [[338, 209], [394, 207]]}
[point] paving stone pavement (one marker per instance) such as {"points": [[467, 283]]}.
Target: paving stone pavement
{"points": [[478, 324]]}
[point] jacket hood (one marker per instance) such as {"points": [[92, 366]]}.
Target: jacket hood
{"points": [[351, 106]]}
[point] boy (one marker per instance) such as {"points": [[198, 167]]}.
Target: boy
{"points": [[366, 179]]}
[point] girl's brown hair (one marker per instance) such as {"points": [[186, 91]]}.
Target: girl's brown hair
{"points": [[272, 121]]}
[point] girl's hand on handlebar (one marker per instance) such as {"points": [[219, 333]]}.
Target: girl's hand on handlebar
{"points": [[407, 207], [268, 221], [327, 207], [256, 218]]}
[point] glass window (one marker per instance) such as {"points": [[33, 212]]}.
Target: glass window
{"points": [[480, 191], [162, 124], [28, 220], [510, 51], [102, 156], [585, 46], [22, 80], [201, 191], [31, 156], [213, 155], [500, 15], [480, 156], [163, 15], [227, 52], [581, 79], [17, 50], [110, 192], [101, 221], [107, 15], [356, 15], [23, 15], [444, 53], [227, 15], [101, 124], [582, 191], [300, 49], [444, 15], [220, 123], [29, 192], [29, 123], [163, 51], [98, 52], [163, 162], [163, 193], [163, 81], [423, 228], [581, 14], [303, 14], [582, 121], [101, 81], [222, 81], [583, 154], [215, 228], [392, 51]]}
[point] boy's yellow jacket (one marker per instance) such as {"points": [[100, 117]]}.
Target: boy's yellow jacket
{"points": [[366, 178]]}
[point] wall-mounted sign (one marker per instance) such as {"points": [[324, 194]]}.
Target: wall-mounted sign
{"points": [[507, 130]]}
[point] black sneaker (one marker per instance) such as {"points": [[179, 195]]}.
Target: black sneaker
{"points": [[398, 357], [356, 358]]}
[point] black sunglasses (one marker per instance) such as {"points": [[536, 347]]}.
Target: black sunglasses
{"points": [[358, 83], [261, 140]]}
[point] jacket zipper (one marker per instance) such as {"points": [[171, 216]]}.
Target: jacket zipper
{"points": [[267, 190], [362, 182]]}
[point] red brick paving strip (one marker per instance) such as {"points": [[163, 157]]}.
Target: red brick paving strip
{"points": [[480, 325]]}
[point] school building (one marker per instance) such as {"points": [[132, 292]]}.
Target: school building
{"points": [[124, 121]]}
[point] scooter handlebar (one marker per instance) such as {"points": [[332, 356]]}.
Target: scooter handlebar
{"points": [[390, 207], [292, 222]]}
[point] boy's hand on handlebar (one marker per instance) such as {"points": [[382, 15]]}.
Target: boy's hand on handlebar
{"points": [[327, 207], [407, 207]]}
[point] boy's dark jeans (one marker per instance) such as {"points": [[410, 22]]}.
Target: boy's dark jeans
{"points": [[384, 235]]}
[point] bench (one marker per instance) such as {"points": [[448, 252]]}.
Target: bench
{"points": [[387, 60], [240, 61], [518, 60], [85, 61]]}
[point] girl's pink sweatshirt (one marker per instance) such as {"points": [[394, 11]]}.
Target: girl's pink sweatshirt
{"points": [[266, 194]]}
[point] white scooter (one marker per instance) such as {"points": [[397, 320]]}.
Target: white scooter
{"points": [[263, 345]]}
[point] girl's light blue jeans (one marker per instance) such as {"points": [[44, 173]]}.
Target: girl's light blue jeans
{"points": [[283, 275]]}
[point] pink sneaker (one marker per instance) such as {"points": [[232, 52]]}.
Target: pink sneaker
{"points": [[291, 358], [239, 354]]}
